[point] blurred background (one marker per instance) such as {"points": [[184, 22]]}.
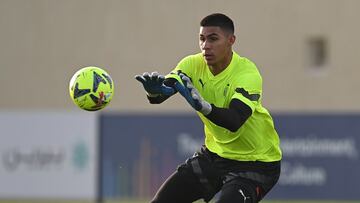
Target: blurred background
{"points": [[51, 151]]}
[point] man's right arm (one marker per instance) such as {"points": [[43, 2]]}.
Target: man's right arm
{"points": [[160, 98], [155, 88]]}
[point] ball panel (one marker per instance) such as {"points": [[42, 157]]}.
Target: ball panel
{"points": [[79, 92], [97, 80]]}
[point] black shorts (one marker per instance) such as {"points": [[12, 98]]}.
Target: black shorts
{"points": [[206, 173]]}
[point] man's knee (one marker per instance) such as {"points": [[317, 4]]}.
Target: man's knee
{"points": [[238, 191]]}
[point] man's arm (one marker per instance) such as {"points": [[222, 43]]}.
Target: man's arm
{"points": [[158, 99], [156, 87], [231, 118]]}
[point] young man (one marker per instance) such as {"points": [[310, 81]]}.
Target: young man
{"points": [[241, 156]]}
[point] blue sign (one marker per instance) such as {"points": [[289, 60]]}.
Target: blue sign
{"points": [[320, 157], [320, 154]]}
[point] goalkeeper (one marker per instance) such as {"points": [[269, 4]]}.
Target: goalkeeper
{"points": [[241, 156]]}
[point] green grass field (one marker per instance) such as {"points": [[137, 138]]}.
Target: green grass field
{"points": [[144, 201]]}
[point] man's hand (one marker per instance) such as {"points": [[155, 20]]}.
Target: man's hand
{"points": [[154, 84], [192, 96]]}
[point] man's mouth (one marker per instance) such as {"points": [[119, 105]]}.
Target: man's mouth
{"points": [[208, 56]]}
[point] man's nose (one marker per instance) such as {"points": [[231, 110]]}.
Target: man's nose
{"points": [[205, 45]]}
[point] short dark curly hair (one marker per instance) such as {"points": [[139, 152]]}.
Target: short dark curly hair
{"points": [[219, 20]]}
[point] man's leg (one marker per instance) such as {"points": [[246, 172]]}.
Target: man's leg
{"points": [[239, 191], [181, 187]]}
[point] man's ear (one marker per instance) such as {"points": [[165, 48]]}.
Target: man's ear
{"points": [[232, 39]]}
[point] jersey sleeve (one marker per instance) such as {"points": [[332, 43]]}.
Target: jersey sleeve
{"points": [[183, 66], [249, 90]]}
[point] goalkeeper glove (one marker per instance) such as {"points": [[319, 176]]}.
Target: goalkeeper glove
{"points": [[154, 84], [192, 96]]}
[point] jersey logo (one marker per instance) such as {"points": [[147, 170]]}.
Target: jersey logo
{"points": [[251, 97], [243, 194]]}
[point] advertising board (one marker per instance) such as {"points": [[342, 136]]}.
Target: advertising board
{"points": [[48, 155]]}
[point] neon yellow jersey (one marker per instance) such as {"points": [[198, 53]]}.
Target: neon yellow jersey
{"points": [[256, 139]]}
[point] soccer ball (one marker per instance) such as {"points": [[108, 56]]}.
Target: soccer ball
{"points": [[91, 88]]}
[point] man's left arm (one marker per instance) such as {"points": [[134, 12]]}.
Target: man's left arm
{"points": [[231, 118]]}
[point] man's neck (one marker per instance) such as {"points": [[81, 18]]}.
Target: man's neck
{"points": [[218, 68]]}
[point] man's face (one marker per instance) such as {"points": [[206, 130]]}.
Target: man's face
{"points": [[215, 44]]}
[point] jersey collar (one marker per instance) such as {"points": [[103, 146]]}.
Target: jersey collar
{"points": [[226, 70]]}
